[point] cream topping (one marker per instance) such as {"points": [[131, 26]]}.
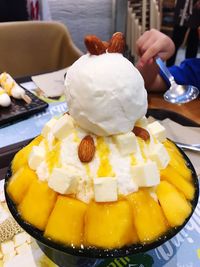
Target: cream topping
{"points": [[107, 161]]}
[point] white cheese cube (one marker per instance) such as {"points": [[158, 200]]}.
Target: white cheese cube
{"points": [[23, 248], [157, 130], [7, 247], [29, 239], [63, 127], [9, 258], [105, 189], [50, 140], [3, 212], [143, 122], [64, 181], [43, 145], [160, 155], [146, 174], [20, 239], [36, 156], [126, 143], [48, 127], [43, 171]]}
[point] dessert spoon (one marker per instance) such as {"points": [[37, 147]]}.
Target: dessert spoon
{"points": [[177, 94], [193, 147]]}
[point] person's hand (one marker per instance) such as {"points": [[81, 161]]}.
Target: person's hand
{"points": [[151, 44]]}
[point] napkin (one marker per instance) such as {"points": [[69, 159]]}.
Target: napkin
{"points": [[51, 84], [184, 134]]}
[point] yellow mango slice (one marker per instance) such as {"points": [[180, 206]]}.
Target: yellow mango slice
{"points": [[21, 158], [149, 219], [37, 204], [66, 222], [168, 144], [177, 161], [20, 182], [174, 204], [109, 225], [172, 176], [171, 147]]}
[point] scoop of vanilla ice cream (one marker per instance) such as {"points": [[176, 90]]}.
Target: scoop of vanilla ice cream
{"points": [[105, 93]]}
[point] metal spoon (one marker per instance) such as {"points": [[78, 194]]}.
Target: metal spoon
{"points": [[193, 147], [177, 94]]}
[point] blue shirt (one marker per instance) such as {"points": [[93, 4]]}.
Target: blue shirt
{"points": [[188, 72]]}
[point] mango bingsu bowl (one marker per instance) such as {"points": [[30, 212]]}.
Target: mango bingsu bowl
{"points": [[102, 181]]}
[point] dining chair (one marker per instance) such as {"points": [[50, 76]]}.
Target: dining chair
{"points": [[35, 47]]}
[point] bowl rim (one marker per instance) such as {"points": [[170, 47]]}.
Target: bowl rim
{"points": [[93, 252]]}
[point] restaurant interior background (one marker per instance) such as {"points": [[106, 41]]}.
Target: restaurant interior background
{"points": [[103, 18]]}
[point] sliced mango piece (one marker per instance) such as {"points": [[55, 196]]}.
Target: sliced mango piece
{"points": [[37, 204], [20, 182], [172, 176], [170, 145], [66, 222], [21, 158], [177, 161], [109, 225], [149, 219], [174, 204], [179, 164]]}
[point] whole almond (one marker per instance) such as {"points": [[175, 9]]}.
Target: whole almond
{"points": [[117, 43], [141, 132], [94, 45], [86, 149]]}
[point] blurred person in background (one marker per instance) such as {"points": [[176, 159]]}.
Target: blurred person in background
{"points": [[154, 43], [186, 23], [38, 10]]}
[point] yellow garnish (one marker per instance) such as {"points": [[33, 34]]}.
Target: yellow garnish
{"points": [[6, 84], [3, 77], [133, 159], [46, 145], [103, 151], [2, 92], [142, 147], [53, 157], [76, 138], [87, 169], [8, 87], [155, 140]]}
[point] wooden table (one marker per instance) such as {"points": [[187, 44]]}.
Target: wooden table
{"points": [[190, 110]]}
